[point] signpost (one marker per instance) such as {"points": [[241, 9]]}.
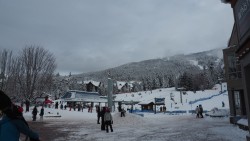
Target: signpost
{"points": [[220, 81], [181, 89], [110, 90], [159, 101]]}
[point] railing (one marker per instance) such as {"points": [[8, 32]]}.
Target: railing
{"points": [[206, 98]]}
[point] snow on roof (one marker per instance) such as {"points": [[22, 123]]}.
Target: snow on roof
{"points": [[95, 83], [120, 84], [76, 95]]}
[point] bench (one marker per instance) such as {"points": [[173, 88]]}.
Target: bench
{"points": [[56, 116]]}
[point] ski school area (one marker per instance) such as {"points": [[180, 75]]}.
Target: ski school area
{"points": [[167, 101], [81, 123]]}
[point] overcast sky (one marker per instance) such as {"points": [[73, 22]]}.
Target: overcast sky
{"points": [[93, 35]]}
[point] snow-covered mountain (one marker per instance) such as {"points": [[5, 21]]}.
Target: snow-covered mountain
{"points": [[165, 67]]}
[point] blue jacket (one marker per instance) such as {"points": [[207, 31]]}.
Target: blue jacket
{"points": [[10, 129]]}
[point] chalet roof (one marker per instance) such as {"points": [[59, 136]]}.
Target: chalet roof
{"points": [[120, 84], [148, 101], [95, 83], [82, 96]]}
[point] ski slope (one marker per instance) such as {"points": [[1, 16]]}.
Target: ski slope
{"points": [[209, 99]]}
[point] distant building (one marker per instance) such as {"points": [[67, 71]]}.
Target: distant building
{"points": [[123, 87], [126, 87], [234, 80], [240, 97], [92, 86], [75, 97]]}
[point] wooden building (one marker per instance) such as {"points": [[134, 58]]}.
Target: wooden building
{"points": [[241, 10]]}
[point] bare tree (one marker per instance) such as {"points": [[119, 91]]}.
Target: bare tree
{"points": [[5, 62], [34, 71]]}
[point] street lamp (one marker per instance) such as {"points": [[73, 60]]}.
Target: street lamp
{"points": [[220, 81], [181, 89]]}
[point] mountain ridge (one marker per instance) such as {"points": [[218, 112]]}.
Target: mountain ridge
{"points": [[173, 65]]}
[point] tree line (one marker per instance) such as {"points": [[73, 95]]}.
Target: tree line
{"points": [[27, 74], [175, 72], [30, 74]]}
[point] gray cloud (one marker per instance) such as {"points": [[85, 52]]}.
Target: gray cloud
{"points": [[96, 34]]}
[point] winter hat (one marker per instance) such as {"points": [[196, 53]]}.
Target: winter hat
{"points": [[4, 101]]}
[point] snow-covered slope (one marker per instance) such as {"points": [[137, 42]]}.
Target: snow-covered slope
{"points": [[209, 99]]}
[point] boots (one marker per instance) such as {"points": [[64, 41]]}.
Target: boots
{"points": [[111, 128]]}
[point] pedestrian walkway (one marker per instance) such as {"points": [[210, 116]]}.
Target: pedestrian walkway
{"points": [[147, 128]]}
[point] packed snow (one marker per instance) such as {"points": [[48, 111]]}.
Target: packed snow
{"points": [[154, 126]]}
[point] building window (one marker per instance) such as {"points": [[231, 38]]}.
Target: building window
{"points": [[237, 99], [234, 68]]}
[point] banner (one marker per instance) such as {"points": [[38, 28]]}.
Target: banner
{"points": [[160, 101]]}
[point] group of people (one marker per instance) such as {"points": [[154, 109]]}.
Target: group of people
{"points": [[12, 122], [35, 111], [199, 111], [106, 118]]}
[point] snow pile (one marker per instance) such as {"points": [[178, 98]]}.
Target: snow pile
{"points": [[243, 122], [215, 112]]}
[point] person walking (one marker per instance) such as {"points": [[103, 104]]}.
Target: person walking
{"points": [[164, 109], [12, 122], [98, 111], [197, 111], [201, 111], [27, 104], [103, 111], [41, 113], [34, 113], [123, 112], [61, 106], [56, 105], [108, 120]]}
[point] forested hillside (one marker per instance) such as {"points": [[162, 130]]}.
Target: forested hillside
{"points": [[193, 71]]}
